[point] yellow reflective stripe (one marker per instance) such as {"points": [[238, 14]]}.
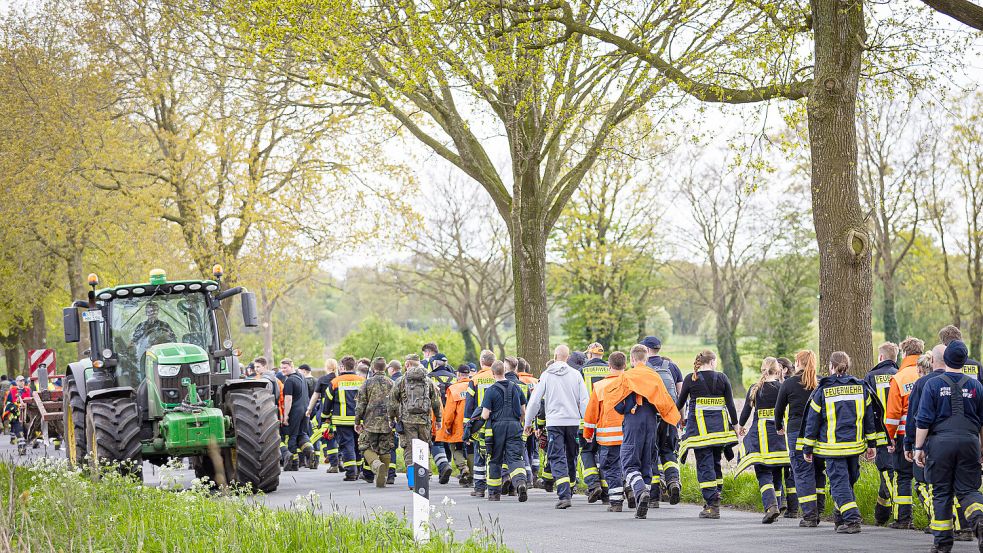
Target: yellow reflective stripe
{"points": [[701, 423], [767, 487], [815, 406], [590, 471], [494, 481], [941, 525], [973, 507], [349, 463], [517, 472], [807, 498], [903, 500], [564, 480], [860, 418], [710, 484], [847, 506], [830, 422]]}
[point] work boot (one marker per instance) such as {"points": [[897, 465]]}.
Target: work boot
{"points": [[391, 480], [445, 474], [809, 521], [494, 496], [641, 511], [548, 486], [508, 489], [464, 479], [664, 495], [614, 508], [605, 498], [674, 490], [978, 531], [523, 493], [821, 504], [771, 515], [594, 494], [902, 524], [380, 467], [478, 493], [537, 482], [293, 464], [848, 528], [710, 511], [333, 469], [947, 548], [630, 495], [563, 504], [963, 535], [654, 495], [349, 477]]}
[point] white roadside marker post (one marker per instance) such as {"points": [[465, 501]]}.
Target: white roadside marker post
{"points": [[421, 491]]}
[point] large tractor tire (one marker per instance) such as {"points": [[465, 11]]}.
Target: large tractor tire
{"points": [[73, 409], [113, 434], [255, 461]]}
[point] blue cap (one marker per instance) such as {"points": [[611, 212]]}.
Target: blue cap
{"points": [[956, 354], [473, 367], [439, 357], [652, 342]]}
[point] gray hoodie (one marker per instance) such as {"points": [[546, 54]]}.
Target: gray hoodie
{"points": [[565, 393]]}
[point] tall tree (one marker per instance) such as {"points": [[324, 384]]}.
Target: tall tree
{"points": [[467, 78], [733, 243], [607, 239], [460, 260], [891, 173]]}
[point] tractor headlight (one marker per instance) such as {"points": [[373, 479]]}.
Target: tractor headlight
{"points": [[169, 370], [199, 368]]}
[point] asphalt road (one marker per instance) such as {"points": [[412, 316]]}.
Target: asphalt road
{"points": [[537, 527]]}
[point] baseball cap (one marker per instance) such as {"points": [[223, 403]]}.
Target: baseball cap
{"points": [[652, 342], [595, 349]]}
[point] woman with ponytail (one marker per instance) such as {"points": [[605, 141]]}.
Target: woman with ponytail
{"points": [[841, 424], [709, 426], [763, 448], [808, 479]]}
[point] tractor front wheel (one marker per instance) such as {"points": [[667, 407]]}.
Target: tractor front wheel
{"points": [[255, 461], [73, 409], [113, 432]]}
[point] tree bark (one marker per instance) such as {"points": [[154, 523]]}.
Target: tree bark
{"points": [[845, 280], [976, 319], [730, 359], [529, 274], [470, 351]]}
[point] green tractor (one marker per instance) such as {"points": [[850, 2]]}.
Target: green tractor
{"points": [[162, 380]]}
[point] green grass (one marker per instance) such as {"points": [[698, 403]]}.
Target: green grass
{"points": [[47, 507], [742, 492]]}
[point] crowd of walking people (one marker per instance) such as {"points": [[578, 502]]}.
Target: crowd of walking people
{"points": [[629, 421]]}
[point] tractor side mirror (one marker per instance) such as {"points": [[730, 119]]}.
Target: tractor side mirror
{"points": [[250, 316], [73, 328]]}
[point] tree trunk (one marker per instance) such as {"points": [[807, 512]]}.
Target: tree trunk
{"points": [[730, 360], [976, 321], [11, 356], [77, 286], [891, 331], [470, 352], [529, 273], [36, 335], [845, 280]]}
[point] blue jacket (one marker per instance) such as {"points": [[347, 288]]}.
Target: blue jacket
{"points": [[840, 419], [879, 380], [913, 398]]}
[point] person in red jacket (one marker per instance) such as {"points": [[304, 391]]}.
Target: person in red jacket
{"points": [[12, 405]]}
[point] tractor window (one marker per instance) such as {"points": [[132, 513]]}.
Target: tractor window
{"points": [[140, 322]]}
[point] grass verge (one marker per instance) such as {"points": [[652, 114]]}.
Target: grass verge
{"points": [[742, 493], [48, 507]]}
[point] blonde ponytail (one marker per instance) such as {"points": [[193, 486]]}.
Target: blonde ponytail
{"points": [[769, 368]]}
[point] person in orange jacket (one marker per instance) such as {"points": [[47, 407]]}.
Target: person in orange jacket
{"points": [[896, 422], [604, 425], [452, 431], [642, 397]]}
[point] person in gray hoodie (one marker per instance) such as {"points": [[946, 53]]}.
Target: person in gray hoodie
{"points": [[566, 402]]}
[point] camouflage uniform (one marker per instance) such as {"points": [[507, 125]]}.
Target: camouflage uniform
{"points": [[376, 440], [414, 426]]}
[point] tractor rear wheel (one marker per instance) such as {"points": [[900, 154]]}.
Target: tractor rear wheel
{"points": [[255, 461], [73, 409], [113, 432]]}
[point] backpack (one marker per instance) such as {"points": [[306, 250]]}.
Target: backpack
{"points": [[667, 379], [417, 392]]}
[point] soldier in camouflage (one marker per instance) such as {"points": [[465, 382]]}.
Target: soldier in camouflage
{"points": [[372, 422], [413, 401]]}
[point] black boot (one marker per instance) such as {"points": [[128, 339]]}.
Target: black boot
{"points": [[882, 514]]}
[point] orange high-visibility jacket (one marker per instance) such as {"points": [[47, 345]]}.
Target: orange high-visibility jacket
{"points": [[896, 412], [452, 430], [601, 418], [644, 383]]}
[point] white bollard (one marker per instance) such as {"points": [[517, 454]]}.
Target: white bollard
{"points": [[421, 491]]}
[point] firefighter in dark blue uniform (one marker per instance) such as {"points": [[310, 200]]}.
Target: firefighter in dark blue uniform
{"points": [[667, 439], [503, 407], [442, 377], [841, 423], [947, 445], [879, 380], [763, 447], [710, 427], [595, 370]]}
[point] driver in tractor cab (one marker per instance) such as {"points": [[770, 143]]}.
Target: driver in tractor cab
{"points": [[153, 328]]}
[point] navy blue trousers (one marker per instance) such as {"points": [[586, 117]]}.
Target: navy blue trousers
{"points": [[562, 452], [810, 480], [609, 458], [347, 449], [843, 473], [709, 473], [638, 448]]}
